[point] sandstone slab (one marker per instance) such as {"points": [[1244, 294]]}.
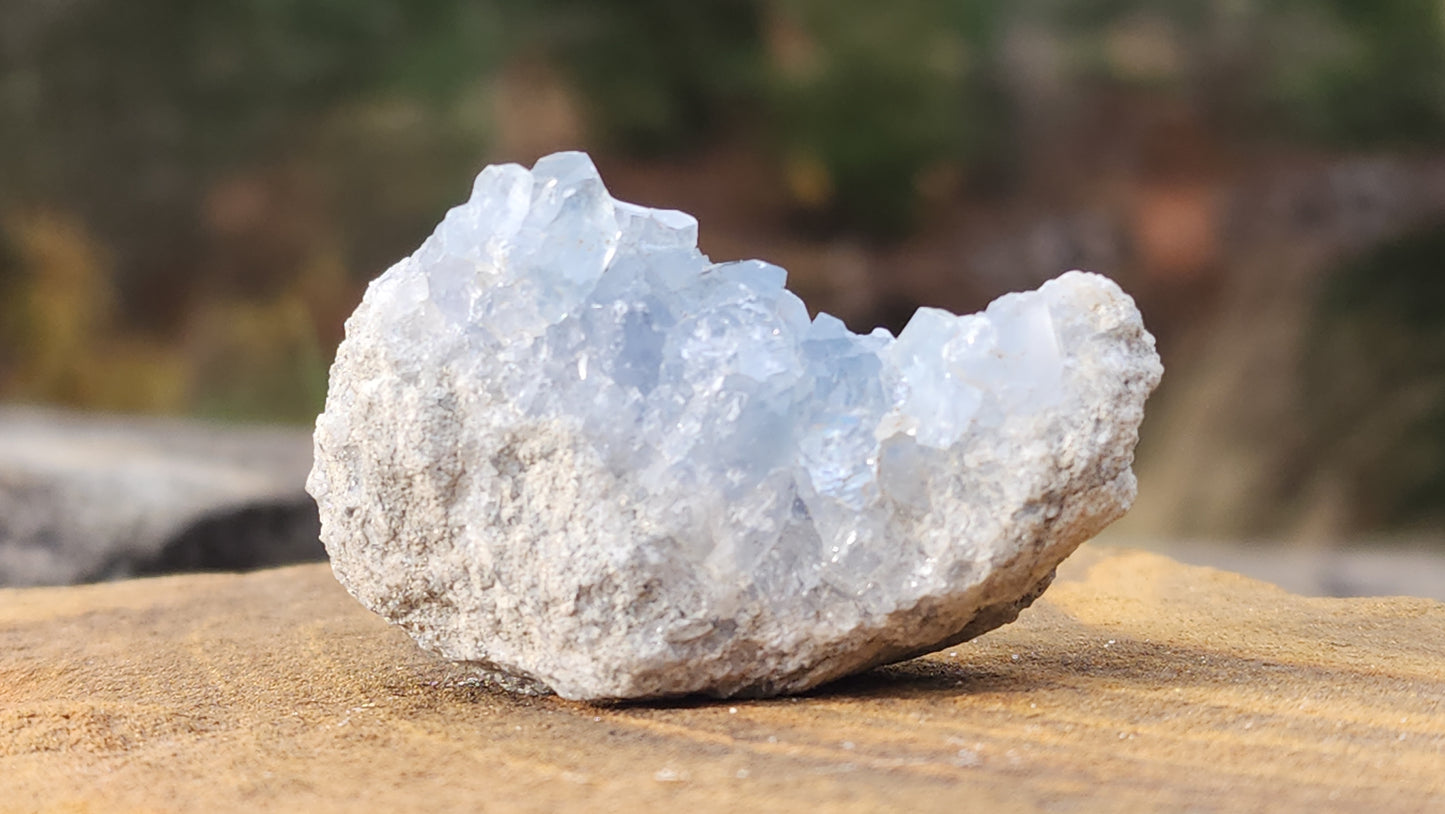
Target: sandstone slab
{"points": [[1134, 685]]}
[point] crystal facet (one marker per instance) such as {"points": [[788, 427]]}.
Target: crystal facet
{"points": [[562, 445]]}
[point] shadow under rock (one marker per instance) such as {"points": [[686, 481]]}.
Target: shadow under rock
{"points": [[1082, 661], [263, 535], [1128, 671]]}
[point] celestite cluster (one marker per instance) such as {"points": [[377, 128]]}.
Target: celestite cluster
{"points": [[564, 446]]}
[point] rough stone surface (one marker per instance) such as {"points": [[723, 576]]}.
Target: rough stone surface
{"points": [[563, 446], [1135, 684], [90, 497]]}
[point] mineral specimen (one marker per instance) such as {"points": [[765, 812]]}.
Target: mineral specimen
{"points": [[564, 447]]}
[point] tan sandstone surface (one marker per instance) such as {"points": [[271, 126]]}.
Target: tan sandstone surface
{"points": [[1135, 684]]}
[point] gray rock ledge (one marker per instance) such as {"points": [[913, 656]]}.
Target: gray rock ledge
{"points": [[86, 497]]}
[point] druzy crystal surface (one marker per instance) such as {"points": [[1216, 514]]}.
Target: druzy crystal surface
{"points": [[563, 446]]}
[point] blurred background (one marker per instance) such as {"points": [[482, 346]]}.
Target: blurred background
{"points": [[194, 195]]}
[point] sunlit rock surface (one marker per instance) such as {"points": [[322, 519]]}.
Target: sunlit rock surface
{"points": [[563, 445]]}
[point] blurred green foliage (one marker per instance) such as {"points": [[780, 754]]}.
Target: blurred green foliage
{"points": [[103, 101], [1360, 72], [655, 76], [213, 155], [866, 101], [1375, 381], [876, 94]]}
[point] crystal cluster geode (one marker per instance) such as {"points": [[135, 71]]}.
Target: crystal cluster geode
{"points": [[563, 446]]}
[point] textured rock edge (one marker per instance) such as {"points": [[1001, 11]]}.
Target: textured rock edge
{"points": [[1095, 496]]}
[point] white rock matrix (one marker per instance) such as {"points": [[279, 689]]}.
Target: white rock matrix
{"points": [[563, 446]]}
